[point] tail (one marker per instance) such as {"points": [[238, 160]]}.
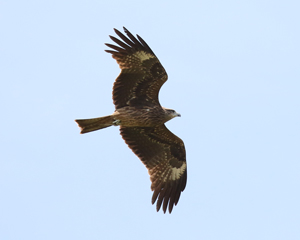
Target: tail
{"points": [[93, 124]]}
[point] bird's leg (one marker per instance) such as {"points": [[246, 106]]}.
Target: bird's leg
{"points": [[116, 122]]}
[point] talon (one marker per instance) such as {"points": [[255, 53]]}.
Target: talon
{"points": [[116, 122]]}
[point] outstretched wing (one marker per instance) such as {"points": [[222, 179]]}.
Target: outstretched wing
{"points": [[163, 153], [142, 74]]}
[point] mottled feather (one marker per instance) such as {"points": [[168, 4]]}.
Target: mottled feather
{"points": [[142, 75], [163, 154]]}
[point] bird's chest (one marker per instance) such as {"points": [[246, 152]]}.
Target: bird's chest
{"points": [[140, 117]]}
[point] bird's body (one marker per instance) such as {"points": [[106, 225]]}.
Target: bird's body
{"points": [[141, 118]]}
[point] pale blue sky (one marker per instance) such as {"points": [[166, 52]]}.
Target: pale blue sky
{"points": [[234, 75]]}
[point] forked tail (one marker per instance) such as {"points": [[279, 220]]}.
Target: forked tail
{"points": [[93, 124]]}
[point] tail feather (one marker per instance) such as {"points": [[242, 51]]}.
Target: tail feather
{"points": [[93, 124]]}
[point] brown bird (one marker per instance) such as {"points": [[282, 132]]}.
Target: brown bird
{"points": [[141, 118]]}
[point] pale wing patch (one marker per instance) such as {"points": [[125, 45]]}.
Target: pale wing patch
{"points": [[177, 172], [163, 173], [143, 55], [134, 60]]}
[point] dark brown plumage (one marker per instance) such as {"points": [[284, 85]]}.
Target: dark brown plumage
{"points": [[141, 118]]}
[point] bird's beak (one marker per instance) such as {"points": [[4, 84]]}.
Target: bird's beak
{"points": [[178, 115]]}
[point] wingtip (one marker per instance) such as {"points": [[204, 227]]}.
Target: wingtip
{"points": [[158, 207], [116, 31]]}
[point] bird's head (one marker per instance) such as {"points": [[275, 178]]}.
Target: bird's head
{"points": [[171, 113]]}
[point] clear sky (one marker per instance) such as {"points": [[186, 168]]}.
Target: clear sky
{"points": [[234, 75]]}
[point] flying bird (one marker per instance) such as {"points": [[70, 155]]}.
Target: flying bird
{"points": [[141, 118]]}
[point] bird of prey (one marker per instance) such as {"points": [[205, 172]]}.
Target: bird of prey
{"points": [[141, 118]]}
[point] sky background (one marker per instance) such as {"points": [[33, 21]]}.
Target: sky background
{"points": [[234, 75]]}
